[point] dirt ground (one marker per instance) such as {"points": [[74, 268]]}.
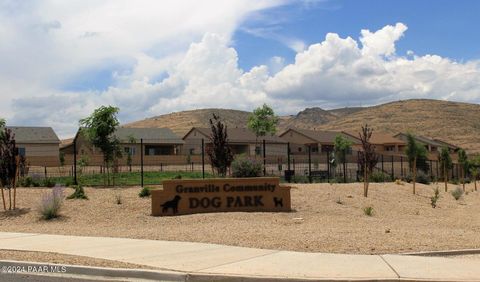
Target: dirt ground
{"points": [[326, 218]]}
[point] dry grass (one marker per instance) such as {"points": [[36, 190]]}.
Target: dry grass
{"points": [[401, 221]]}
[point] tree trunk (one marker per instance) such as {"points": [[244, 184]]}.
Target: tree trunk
{"points": [[17, 175], [445, 176], [10, 198], [414, 173], [365, 180], [463, 179], [3, 199], [345, 171]]}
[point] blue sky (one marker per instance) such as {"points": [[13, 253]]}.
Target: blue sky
{"points": [[443, 27], [59, 60]]}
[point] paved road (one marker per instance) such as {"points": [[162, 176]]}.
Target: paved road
{"points": [[219, 260]]}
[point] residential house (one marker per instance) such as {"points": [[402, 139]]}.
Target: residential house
{"points": [[433, 146], [241, 140], [39, 145], [159, 145], [384, 143], [319, 141]]}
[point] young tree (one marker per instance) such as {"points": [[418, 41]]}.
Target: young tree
{"points": [[474, 169], [416, 153], [445, 164], [99, 129], [341, 146], [8, 166], [367, 158], [263, 121], [464, 164], [131, 140], [219, 152]]}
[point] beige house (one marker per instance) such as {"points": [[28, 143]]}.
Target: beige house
{"points": [[241, 140], [433, 146], [320, 141], [39, 145], [160, 145], [384, 143]]}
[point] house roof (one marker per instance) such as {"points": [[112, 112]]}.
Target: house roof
{"points": [[149, 135], [423, 139], [455, 147], [34, 135], [323, 136], [379, 138], [240, 135]]}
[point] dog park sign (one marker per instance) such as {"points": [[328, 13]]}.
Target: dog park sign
{"points": [[260, 194]]}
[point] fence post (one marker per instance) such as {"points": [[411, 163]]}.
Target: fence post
{"points": [[203, 158], [431, 170], [382, 165], [438, 174], [328, 166], [46, 175], [264, 159], [309, 164], [141, 160], [401, 166], [288, 161], [393, 170], [75, 182]]}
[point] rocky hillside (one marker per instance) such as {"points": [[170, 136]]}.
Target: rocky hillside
{"points": [[458, 123]]}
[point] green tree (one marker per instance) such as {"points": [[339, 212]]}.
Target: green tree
{"points": [[8, 166], [464, 164], [2, 125], [367, 158], [342, 146], [219, 151], [263, 121], [131, 140], [474, 169], [445, 164], [99, 129], [415, 152]]}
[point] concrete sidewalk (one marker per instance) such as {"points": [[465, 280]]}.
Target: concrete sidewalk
{"points": [[217, 261]]}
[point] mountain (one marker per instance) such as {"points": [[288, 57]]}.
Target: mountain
{"points": [[453, 122]]}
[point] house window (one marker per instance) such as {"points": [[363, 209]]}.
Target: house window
{"points": [[129, 150], [299, 149], [257, 150], [389, 148], [192, 151], [314, 149], [327, 148], [153, 150], [434, 149], [21, 151]]}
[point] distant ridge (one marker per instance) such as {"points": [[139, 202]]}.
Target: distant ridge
{"points": [[453, 122]]}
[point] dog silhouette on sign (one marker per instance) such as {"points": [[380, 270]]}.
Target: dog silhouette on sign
{"points": [[173, 204]]}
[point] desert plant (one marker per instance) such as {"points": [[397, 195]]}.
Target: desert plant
{"points": [[79, 193], [435, 197], [51, 203], [145, 192], [445, 164], [457, 193], [339, 201], [342, 145], [118, 199], [367, 159], [399, 182], [368, 211], [220, 153], [244, 167], [8, 165]]}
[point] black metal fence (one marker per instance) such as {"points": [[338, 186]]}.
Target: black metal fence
{"points": [[151, 161]]}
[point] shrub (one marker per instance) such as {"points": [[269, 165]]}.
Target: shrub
{"points": [[243, 167], [368, 211], [145, 192], [26, 182], [79, 193], [51, 202], [48, 182], [399, 182], [435, 197], [118, 199], [178, 176], [422, 178], [339, 201], [379, 176], [457, 193]]}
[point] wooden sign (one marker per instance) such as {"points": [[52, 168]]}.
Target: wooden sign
{"points": [[260, 194]]}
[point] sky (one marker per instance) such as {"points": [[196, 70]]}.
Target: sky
{"points": [[59, 60]]}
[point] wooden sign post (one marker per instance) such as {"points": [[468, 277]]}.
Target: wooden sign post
{"points": [[261, 194]]}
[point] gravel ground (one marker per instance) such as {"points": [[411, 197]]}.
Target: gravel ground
{"points": [[326, 218]]}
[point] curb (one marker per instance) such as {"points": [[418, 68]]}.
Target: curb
{"points": [[444, 253], [91, 272]]}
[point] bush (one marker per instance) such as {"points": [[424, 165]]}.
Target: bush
{"points": [[368, 211], [243, 167], [26, 182], [379, 176], [422, 178], [457, 193], [118, 199], [50, 205], [435, 197], [145, 192], [48, 182], [79, 193]]}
